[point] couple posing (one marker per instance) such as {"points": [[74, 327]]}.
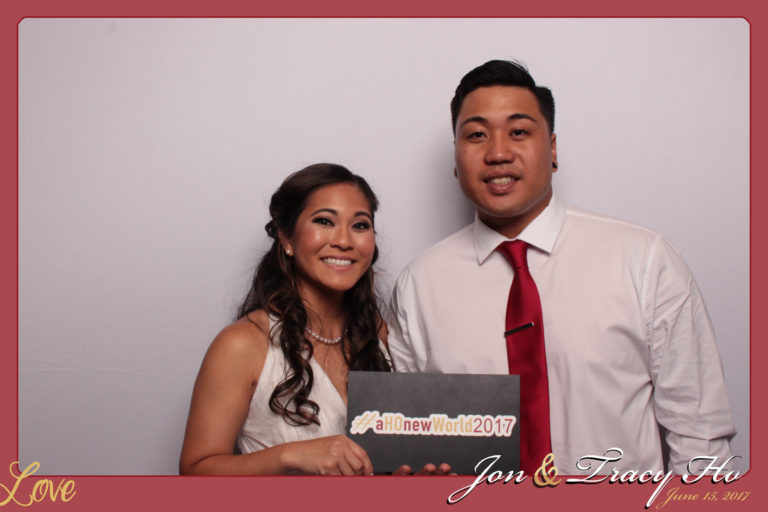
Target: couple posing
{"points": [[601, 318]]}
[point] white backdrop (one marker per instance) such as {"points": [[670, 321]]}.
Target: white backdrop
{"points": [[149, 148]]}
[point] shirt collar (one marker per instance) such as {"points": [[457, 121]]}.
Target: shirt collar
{"points": [[540, 233]]}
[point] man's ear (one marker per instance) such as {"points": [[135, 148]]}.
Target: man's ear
{"points": [[553, 144]]}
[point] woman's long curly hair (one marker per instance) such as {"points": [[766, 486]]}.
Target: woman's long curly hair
{"points": [[274, 290]]}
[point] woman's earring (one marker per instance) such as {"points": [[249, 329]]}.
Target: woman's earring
{"points": [[289, 252]]}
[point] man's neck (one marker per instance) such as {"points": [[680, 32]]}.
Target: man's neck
{"points": [[511, 227]]}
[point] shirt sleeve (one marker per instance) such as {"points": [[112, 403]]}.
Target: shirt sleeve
{"points": [[399, 338], [689, 396]]}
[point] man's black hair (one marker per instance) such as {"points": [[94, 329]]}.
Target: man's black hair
{"points": [[503, 72]]}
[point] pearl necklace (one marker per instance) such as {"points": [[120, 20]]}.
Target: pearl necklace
{"points": [[322, 339]]}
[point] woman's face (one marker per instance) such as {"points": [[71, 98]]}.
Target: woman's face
{"points": [[334, 242]]}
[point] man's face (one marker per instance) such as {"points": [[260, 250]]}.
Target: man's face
{"points": [[504, 155]]}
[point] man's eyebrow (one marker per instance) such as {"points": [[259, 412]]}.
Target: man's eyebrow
{"points": [[521, 116], [511, 117], [473, 119]]}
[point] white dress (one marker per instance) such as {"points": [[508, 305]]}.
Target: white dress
{"points": [[263, 428]]}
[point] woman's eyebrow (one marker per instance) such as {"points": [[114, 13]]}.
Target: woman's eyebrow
{"points": [[327, 210]]}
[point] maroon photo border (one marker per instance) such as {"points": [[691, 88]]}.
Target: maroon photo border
{"points": [[130, 493]]}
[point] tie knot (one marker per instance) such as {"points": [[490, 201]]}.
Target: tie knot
{"points": [[516, 253]]}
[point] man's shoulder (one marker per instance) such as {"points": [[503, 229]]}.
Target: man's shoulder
{"points": [[461, 240], [455, 247], [587, 223], [609, 239]]}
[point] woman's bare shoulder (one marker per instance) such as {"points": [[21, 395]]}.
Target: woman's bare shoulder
{"points": [[245, 341]]}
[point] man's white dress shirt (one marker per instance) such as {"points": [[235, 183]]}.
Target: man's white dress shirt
{"points": [[628, 341]]}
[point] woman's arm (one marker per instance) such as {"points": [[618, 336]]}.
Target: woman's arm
{"points": [[220, 403]]}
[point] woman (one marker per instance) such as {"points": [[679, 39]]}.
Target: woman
{"points": [[274, 383]]}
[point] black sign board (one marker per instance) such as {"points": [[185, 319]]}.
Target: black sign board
{"points": [[418, 418]]}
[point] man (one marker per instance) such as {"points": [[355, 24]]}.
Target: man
{"points": [[626, 346]]}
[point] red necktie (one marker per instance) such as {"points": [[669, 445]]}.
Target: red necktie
{"points": [[526, 357]]}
